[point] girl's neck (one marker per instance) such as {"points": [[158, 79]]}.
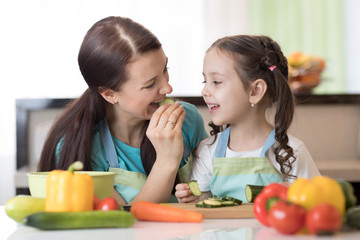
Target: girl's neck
{"points": [[250, 136]]}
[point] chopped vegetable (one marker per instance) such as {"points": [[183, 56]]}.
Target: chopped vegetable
{"points": [[194, 188], [251, 191], [216, 202], [166, 100]]}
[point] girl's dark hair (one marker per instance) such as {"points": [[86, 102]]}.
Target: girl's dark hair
{"points": [[253, 56], [109, 45]]}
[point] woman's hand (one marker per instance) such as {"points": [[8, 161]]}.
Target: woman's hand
{"points": [[183, 193], [164, 132]]}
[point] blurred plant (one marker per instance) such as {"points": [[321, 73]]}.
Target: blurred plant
{"points": [[304, 72]]}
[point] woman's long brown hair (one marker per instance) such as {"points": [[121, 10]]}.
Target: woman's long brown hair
{"points": [[109, 45], [253, 55]]}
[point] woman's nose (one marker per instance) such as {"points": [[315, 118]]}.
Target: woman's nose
{"points": [[166, 87]]}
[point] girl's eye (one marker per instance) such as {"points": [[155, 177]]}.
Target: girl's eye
{"points": [[166, 69], [204, 81], [216, 82]]}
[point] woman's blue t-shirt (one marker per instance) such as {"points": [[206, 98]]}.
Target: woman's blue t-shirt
{"points": [[129, 159]]}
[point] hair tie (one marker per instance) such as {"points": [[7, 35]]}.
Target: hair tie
{"points": [[272, 67]]}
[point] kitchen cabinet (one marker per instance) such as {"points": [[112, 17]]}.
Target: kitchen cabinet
{"points": [[329, 125]]}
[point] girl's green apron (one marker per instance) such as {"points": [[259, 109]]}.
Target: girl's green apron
{"points": [[129, 183], [231, 175]]}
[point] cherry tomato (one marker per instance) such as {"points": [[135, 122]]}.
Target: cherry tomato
{"points": [[286, 217], [96, 201], [107, 204], [323, 219]]}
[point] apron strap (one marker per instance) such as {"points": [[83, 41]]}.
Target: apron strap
{"points": [[221, 147], [110, 148], [108, 144], [268, 144]]}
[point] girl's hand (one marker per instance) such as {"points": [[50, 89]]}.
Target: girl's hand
{"points": [[183, 193], [164, 132]]}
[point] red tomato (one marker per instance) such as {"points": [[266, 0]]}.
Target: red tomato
{"points": [[287, 218], [323, 219], [107, 204], [96, 201]]}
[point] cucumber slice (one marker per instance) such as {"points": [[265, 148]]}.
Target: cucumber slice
{"points": [[228, 203], [251, 191], [235, 200], [166, 100], [194, 188], [212, 203], [199, 204]]}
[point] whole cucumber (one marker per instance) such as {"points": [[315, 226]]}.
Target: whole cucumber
{"points": [[80, 220], [352, 217]]}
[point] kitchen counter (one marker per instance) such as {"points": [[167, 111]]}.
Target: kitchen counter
{"points": [[245, 229]]}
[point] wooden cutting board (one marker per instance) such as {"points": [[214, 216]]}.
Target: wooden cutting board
{"points": [[244, 210]]}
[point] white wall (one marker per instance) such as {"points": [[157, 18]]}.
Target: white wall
{"points": [[40, 40], [352, 46]]}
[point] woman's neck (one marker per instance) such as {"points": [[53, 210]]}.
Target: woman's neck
{"points": [[128, 131]]}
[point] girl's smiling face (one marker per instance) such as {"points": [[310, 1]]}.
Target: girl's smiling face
{"points": [[224, 92], [147, 84]]}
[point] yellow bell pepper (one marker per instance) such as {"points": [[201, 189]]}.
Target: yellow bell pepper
{"points": [[320, 189], [69, 192]]}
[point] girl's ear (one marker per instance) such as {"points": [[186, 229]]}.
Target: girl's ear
{"points": [[257, 91], [108, 94]]}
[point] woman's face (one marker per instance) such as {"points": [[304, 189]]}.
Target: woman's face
{"points": [[148, 84]]}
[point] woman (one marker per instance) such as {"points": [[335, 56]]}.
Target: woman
{"points": [[117, 125]]}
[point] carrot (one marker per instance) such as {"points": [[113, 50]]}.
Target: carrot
{"points": [[147, 211]]}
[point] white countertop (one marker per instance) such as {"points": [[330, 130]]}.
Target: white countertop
{"points": [[222, 229]]}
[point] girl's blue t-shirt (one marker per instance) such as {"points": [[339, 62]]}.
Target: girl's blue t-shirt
{"points": [[193, 131]]}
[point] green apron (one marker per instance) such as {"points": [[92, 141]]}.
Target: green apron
{"points": [[129, 183], [231, 175]]}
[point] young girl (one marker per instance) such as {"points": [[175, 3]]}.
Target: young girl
{"points": [[245, 76], [117, 125]]}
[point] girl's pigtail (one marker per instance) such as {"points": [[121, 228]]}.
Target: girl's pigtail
{"points": [[284, 113]]}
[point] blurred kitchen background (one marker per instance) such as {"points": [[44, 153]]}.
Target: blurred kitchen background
{"points": [[40, 40]]}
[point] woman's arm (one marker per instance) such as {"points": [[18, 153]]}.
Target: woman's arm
{"points": [[165, 134]]}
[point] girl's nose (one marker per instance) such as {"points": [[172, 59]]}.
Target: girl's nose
{"points": [[204, 91]]}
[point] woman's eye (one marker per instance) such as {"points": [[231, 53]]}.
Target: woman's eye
{"points": [[166, 69], [151, 85], [204, 82]]}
